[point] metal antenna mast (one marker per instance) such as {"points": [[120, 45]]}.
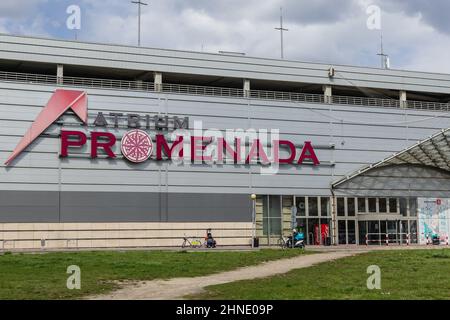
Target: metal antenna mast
{"points": [[281, 29], [384, 57], [139, 3]]}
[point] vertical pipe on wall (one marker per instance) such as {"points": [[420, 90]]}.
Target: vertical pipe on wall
{"points": [[333, 217]]}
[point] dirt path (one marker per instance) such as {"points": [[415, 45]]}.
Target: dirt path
{"points": [[179, 287]]}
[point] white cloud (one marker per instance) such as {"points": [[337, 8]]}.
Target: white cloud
{"points": [[333, 32], [18, 9]]}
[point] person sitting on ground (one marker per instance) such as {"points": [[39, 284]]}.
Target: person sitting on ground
{"points": [[210, 242]]}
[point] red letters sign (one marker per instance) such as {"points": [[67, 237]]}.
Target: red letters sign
{"points": [[137, 146]]}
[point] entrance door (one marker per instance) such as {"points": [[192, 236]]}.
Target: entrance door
{"points": [[393, 231], [374, 232], [362, 227]]}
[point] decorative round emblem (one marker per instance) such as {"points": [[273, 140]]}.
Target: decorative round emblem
{"points": [[137, 146]]}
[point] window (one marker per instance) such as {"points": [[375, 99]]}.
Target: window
{"points": [[272, 215], [362, 205], [301, 206], [351, 207], [413, 231], [275, 215], [313, 235], [413, 207], [404, 229], [362, 227], [382, 205], [342, 232], [351, 232], [403, 207], [372, 205], [301, 225], [341, 207], [392, 205], [265, 202], [313, 208], [325, 207]]}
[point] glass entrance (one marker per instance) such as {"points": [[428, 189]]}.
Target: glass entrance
{"points": [[376, 232]]}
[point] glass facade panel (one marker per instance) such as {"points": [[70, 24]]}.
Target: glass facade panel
{"points": [[313, 208], [341, 207], [403, 231], [392, 205], [271, 215], [265, 206], [274, 215], [413, 231], [413, 207], [301, 225], [374, 232], [351, 230], [382, 205], [313, 235], [314, 219], [351, 207], [383, 227], [362, 226], [301, 206], [362, 205], [393, 231], [342, 232], [403, 207], [372, 205], [275, 226], [325, 207]]}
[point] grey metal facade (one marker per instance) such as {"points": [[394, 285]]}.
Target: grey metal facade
{"points": [[197, 63], [41, 187]]}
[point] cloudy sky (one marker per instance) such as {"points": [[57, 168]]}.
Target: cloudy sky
{"points": [[416, 32]]}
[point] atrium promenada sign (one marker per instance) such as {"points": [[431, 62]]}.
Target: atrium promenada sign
{"points": [[137, 146]]}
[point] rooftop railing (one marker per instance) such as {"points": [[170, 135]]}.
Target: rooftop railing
{"points": [[216, 91], [424, 105]]}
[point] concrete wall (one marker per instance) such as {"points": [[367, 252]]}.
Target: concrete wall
{"points": [[44, 236]]}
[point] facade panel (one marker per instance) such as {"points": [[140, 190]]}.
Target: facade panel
{"points": [[85, 202]]}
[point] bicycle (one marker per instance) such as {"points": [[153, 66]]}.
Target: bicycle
{"points": [[283, 242], [193, 243]]}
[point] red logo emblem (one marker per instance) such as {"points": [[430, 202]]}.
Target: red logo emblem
{"points": [[59, 103], [137, 146]]}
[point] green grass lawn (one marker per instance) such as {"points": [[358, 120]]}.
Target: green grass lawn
{"points": [[418, 274], [43, 276]]}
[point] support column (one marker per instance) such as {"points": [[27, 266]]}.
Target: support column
{"points": [[158, 81], [59, 74], [328, 94], [140, 85], [403, 99], [246, 88]]}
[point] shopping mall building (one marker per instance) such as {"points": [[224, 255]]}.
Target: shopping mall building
{"points": [[119, 146]]}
